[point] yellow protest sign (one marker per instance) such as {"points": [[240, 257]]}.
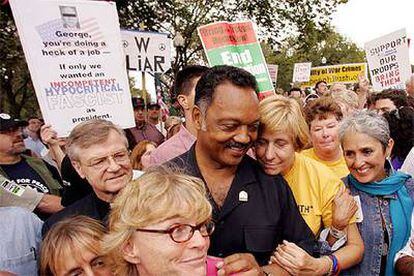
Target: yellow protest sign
{"points": [[341, 73]]}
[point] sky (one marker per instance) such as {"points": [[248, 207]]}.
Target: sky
{"points": [[364, 20]]}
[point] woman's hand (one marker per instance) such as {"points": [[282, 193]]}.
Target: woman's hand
{"points": [[297, 261], [343, 208]]}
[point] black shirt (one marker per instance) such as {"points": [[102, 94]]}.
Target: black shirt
{"points": [[24, 175], [258, 213], [78, 188], [90, 206]]}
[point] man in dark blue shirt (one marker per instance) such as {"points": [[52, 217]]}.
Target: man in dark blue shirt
{"points": [[25, 170]]}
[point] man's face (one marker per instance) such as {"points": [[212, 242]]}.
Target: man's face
{"points": [[230, 125], [140, 114], [296, 94], [384, 105], [106, 166], [34, 125], [69, 16], [11, 141], [322, 89], [154, 113]]}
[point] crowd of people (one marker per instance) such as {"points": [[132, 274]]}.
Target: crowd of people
{"points": [[298, 183]]}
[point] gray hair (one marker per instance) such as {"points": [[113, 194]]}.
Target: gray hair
{"points": [[366, 122], [92, 132]]}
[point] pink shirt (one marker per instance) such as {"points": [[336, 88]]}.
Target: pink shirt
{"points": [[173, 147]]}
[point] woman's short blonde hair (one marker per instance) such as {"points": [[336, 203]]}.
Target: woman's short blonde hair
{"points": [[67, 238], [346, 97], [278, 113], [159, 194]]}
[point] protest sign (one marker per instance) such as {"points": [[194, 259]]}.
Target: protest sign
{"points": [[74, 53], [146, 51], [389, 64], [301, 72], [236, 44], [273, 72], [341, 73]]}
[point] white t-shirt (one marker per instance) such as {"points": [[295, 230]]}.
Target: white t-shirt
{"points": [[407, 250], [408, 165]]}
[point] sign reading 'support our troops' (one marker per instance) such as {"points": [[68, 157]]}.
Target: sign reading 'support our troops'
{"points": [[236, 44], [341, 73], [74, 53], [389, 64], [146, 51]]}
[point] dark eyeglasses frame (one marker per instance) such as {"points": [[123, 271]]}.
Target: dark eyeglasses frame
{"points": [[208, 224]]}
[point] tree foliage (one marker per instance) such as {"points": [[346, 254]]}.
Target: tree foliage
{"points": [[17, 95], [274, 19]]}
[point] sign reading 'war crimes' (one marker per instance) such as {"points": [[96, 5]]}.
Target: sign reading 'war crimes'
{"points": [[341, 73], [236, 44], [146, 51], [389, 64], [75, 60]]}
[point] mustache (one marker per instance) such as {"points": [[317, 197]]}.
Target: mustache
{"points": [[242, 146]]}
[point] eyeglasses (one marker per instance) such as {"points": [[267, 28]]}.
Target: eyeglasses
{"points": [[119, 157], [184, 232]]}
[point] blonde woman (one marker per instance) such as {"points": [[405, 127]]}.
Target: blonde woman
{"points": [[160, 225], [73, 247], [321, 197]]}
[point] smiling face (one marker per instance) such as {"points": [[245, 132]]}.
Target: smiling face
{"points": [[106, 166], [230, 126], [158, 254], [365, 156], [324, 134], [275, 151]]}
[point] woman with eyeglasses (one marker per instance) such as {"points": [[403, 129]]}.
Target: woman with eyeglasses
{"points": [[160, 225]]}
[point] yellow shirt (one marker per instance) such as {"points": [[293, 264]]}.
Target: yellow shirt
{"points": [[338, 167], [314, 187]]}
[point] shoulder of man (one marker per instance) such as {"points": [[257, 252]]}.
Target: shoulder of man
{"points": [[166, 151], [53, 170], [84, 206], [271, 183]]}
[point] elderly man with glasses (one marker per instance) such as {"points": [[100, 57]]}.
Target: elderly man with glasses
{"points": [[98, 150]]}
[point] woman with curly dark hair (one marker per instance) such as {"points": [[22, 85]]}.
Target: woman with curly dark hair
{"points": [[401, 122]]}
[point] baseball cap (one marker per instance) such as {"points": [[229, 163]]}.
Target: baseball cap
{"points": [[138, 102], [153, 104], [7, 122]]}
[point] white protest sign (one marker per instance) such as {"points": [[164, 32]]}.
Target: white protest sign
{"points": [[301, 72], [273, 68], [146, 51], [74, 53], [389, 64]]}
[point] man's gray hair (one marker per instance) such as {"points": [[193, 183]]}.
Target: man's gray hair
{"points": [[366, 122], [90, 133]]}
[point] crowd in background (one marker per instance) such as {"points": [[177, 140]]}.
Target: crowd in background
{"points": [[303, 183]]}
